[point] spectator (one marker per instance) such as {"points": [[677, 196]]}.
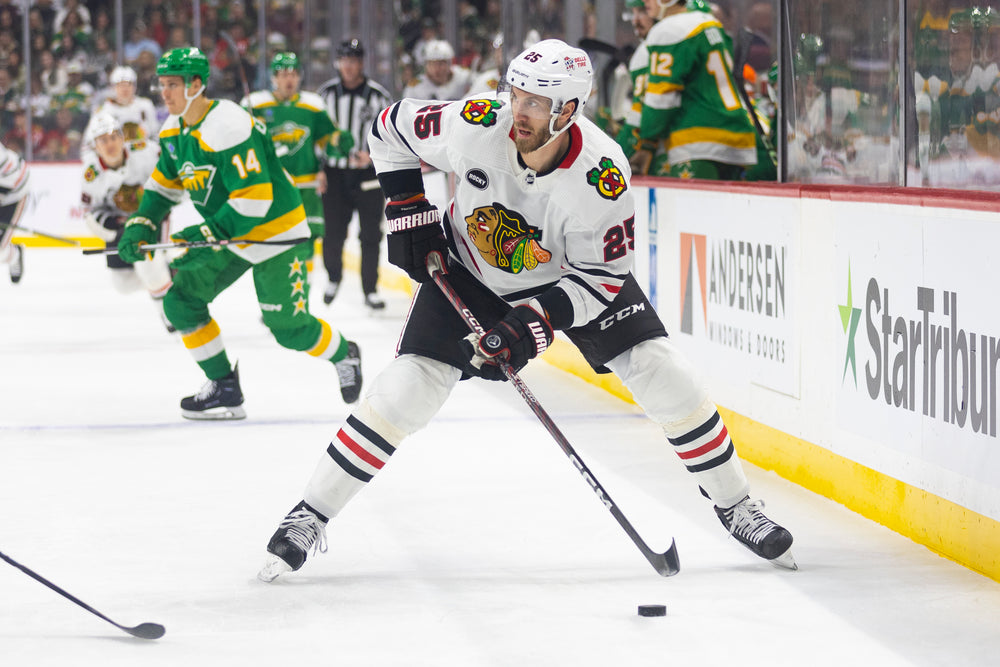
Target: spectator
{"points": [[53, 72], [139, 41], [9, 98], [158, 30], [61, 142], [72, 39], [441, 80], [73, 7], [16, 136]]}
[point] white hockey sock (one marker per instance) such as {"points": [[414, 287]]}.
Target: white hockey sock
{"points": [[402, 399]]}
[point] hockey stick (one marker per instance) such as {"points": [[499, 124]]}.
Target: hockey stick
{"points": [[195, 244], [142, 631], [746, 38], [61, 239], [667, 563]]}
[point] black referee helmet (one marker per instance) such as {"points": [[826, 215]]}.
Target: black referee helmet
{"points": [[351, 47]]}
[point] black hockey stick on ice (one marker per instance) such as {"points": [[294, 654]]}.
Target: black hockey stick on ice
{"points": [[61, 239], [667, 563], [180, 245], [142, 631]]}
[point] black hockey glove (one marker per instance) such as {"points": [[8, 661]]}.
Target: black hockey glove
{"points": [[520, 336], [414, 233]]}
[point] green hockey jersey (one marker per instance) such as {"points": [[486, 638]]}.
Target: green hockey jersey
{"points": [[302, 131], [227, 165], [691, 99]]}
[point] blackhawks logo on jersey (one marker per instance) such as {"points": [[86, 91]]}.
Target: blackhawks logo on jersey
{"points": [[197, 181], [290, 135], [608, 179], [481, 112], [504, 239], [91, 174]]}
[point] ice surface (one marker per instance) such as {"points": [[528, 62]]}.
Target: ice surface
{"points": [[479, 543]]}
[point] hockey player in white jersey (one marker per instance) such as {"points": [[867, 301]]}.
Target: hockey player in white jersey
{"points": [[135, 114], [113, 177], [13, 197], [538, 238], [442, 78]]}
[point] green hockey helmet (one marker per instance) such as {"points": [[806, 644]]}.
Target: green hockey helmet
{"points": [[285, 60], [184, 62]]}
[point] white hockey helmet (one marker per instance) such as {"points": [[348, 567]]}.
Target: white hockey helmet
{"points": [[553, 69], [122, 73], [103, 123], [438, 49]]}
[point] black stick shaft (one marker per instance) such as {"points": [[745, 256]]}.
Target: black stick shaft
{"points": [[61, 239], [195, 244], [144, 630], [667, 563]]}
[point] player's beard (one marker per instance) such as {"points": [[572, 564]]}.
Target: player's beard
{"points": [[531, 143]]}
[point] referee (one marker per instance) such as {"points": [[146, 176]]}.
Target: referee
{"points": [[353, 102]]}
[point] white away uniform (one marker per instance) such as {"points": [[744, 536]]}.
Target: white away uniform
{"points": [[109, 196], [138, 119], [453, 89], [516, 234], [13, 196]]}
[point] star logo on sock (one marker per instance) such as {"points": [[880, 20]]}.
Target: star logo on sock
{"points": [[300, 306], [296, 267], [299, 287]]}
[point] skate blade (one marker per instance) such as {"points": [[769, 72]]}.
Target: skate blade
{"points": [[785, 561], [273, 568], [221, 413]]}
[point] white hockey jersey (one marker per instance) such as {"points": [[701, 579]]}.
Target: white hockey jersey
{"points": [[455, 88], [13, 177], [138, 119], [518, 231], [105, 189]]}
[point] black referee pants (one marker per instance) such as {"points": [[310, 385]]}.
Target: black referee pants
{"points": [[344, 195]]}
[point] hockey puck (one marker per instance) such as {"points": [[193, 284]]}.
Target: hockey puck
{"points": [[652, 610]]}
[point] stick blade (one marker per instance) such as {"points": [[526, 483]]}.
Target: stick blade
{"points": [[146, 631], [668, 563]]}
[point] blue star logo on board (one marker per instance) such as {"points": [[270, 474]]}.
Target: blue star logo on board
{"points": [[850, 317]]}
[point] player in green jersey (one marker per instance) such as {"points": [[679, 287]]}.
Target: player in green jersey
{"points": [[214, 151], [691, 100], [303, 133]]}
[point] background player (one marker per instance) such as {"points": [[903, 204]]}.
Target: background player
{"points": [[302, 132], [113, 175], [215, 152], [546, 245], [13, 197]]}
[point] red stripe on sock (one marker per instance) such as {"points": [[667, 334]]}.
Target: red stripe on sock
{"points": [[695, 453], [359, 451]]}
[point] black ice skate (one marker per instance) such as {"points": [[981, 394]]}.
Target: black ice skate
{"points": [[374, 301], [218, 399], [349, 373], [746, 522], [17, 264], [331, 292], [303, 529]]}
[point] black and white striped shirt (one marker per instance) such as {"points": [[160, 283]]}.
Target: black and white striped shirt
{"points": [[354, 109]]}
